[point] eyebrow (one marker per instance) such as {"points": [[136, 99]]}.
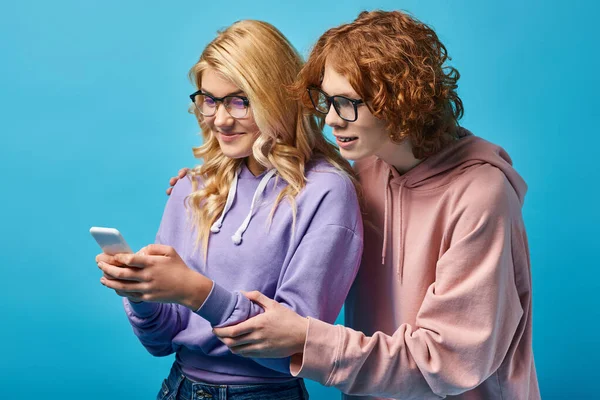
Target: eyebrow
{"points": [[230, 94], [345, 94]]}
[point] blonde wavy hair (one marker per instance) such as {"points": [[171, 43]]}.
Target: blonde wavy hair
{"points": [[259, 60]]}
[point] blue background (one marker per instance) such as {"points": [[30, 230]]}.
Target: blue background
{"points": [[93, 100]]}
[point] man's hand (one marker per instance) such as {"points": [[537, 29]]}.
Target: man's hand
{"points": [[181, 174], [276, 333]]}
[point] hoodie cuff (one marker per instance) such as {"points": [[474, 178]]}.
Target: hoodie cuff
{"points": [[320, 352], [218, 306], [141, 310]]}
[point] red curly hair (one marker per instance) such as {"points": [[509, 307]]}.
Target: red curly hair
{"points": [[395, 64]]}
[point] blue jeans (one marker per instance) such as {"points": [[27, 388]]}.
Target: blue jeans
{"points": [[178, 387]]}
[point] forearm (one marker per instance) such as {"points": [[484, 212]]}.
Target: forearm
{"points": [[223, 307], [154, 324], [380, 365]]}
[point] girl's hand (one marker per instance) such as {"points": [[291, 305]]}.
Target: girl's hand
{"points": [[156, 273]]}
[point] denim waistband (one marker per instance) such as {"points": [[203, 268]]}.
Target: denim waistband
{"points": [[178, 386]]}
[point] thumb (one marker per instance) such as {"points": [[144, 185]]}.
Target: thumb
{"points": [[260, 299], [157, 250]]}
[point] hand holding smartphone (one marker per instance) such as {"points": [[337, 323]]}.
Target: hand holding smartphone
{"points": [[111, 242]]}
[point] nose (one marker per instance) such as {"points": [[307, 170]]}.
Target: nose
{"points": [[222, 118], [333, 119]]}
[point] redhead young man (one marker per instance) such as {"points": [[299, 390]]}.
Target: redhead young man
{"points": [[441, 306]]}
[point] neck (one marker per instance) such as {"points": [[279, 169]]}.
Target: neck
{"points": [[399, 155], [254, 166]]}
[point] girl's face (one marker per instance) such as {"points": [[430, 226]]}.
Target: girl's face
{"points": [[235, 135], [362, 138]]}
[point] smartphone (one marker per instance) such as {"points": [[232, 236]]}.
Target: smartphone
{"points": [[110, 240]]}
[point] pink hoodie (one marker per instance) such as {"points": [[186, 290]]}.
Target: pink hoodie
{"points": [[442, 301]]}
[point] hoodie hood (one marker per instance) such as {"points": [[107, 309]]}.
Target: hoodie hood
{"points": [[440, 170], [468, 151]]}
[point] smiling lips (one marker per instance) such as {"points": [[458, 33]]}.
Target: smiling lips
{"points": [[345, 141], [230, 136]]}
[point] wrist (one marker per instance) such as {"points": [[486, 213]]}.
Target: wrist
{"points": [[197, 288]]}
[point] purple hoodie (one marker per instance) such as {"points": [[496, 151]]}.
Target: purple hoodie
{"points": [[309, 270]]}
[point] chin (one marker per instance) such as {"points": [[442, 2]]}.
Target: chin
{"points": [[234, 151], [235, 154], [353, 155]]}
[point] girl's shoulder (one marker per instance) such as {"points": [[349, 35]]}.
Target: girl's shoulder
{"points": [[323, 176], [184, 186], [323, 173]]}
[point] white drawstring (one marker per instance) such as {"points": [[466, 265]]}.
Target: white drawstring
{"points": [[237, 237], [216, 227]]}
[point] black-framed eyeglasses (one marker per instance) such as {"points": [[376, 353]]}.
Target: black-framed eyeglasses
{"points": [[344, 106], [207, 105]]}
